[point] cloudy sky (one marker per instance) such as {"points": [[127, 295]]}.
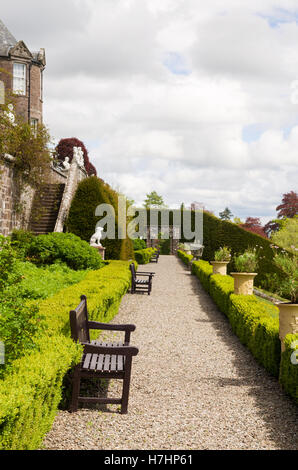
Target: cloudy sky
{"points": [[197, 100]]}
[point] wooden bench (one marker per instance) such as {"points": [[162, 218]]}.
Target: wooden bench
{"points": [[142, 285], [100, 360], [154, 257]]}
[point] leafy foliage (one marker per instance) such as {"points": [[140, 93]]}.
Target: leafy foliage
{"points": [[82, 220], [287, 236], [288, 206], [28, 147], [66, 248], [65, 149], [253, 224], [153, 200], [247, 262], [139, 244], [225, 214]]}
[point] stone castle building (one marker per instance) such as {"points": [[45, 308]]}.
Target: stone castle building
{"points": [[21, 72]]}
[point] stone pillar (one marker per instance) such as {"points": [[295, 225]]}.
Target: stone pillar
{"points": [[101, 250]]}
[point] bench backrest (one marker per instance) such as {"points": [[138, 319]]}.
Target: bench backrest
{"points": [[79, 322], [133, 274]]}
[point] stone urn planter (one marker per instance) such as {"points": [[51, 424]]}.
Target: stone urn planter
{"points": [[219, 267], [243, 283], [288, 320]]}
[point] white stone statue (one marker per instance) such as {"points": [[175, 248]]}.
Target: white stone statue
{"points": [[95, 239], [78, 156], [10, 114], [66, 164]]}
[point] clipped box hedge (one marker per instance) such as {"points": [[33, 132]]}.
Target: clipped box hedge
{"points": [[144, 256], [288, 371], [184, 257], [256, 324], [30, 394]]}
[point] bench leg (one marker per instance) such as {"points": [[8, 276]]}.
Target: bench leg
{"points": [[126, 385], [75, 389]]}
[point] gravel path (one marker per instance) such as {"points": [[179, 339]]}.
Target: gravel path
{"points": [[194, 386]]}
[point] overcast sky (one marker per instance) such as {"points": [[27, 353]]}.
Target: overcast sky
{"points": [[197, 100]]}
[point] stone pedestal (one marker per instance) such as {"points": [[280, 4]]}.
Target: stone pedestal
{"points": [[101, 250], [243, 283], [219, 267], [288, 321]]}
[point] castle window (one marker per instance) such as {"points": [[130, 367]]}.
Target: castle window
{"points": [[34, 124], [19, 79]]}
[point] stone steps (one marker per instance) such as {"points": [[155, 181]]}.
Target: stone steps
{"points": [[45, 209]]}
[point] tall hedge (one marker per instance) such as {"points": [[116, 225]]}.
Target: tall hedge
{"points": [[82, 221]]}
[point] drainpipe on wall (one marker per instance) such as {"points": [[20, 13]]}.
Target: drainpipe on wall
{"points": [[29, 94]]}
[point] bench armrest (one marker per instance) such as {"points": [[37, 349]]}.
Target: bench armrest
{"points": [[144, 274], [113, 350], [95, 325]]}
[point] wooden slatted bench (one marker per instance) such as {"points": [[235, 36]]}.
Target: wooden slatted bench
{"points": [[100, 359], [154, 257], [142, 285]]}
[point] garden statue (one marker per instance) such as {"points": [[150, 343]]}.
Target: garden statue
{"points": [[65, 164], [95, 241], [78, 156]]}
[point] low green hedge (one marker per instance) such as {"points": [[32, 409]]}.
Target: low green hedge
{"points": [[220, 288], [30, 394], [144, 256], [184, 257], [256, 329], [256, 324], [288, 376], [203, 270]]}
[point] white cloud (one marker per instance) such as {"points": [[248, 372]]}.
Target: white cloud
{"points": [[109, 82]]}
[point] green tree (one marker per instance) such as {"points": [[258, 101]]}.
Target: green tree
{"points": [[287, 236], [226, 214], [153, 200]]}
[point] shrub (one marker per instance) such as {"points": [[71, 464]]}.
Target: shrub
{"points": [[253, 320], [203, 270], [246, 262], [184, 257], [82, 220], [8, 264], [288, 371], [139, 244], [30, 394], [66, 248], [288, 264], [144, 256], [257, 329], [223, 254], [221, 287]]}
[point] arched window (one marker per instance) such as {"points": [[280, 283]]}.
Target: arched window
{"points": [[2, 93]]}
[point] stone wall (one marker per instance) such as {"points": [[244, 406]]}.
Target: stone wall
{"points": [[10, 218]]}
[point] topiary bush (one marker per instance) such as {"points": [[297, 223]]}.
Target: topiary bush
{"points": [[144, 256], [139, 244], [82, 220], [66, 248], [184, 257]]}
